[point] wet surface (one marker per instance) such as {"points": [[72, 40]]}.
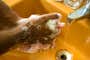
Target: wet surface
{"points": [[74, 38]]}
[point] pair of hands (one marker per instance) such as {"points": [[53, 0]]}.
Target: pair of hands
{"points": [[37, 20]]}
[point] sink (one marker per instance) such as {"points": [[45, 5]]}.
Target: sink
{"points": [[74, 37]]}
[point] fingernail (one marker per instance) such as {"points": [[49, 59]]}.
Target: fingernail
{"points": [[59, 15]]}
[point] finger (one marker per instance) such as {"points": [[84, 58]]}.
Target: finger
{"points": [[46, 17]]}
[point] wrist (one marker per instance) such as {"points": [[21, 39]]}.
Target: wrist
{"points": [[22, 31]]}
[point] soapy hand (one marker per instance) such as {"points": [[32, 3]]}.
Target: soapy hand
{"points": [[43, 30]]}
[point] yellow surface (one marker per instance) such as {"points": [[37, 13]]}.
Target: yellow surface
{"points": [[75, 37]]}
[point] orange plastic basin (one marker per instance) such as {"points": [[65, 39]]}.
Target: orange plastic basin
{"points": [[74, 38]]}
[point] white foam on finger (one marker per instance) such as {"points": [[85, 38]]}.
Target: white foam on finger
{"points": [[34, 17], [23, 20]]}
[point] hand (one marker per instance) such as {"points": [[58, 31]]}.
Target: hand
{"points": [[37, 36]]}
